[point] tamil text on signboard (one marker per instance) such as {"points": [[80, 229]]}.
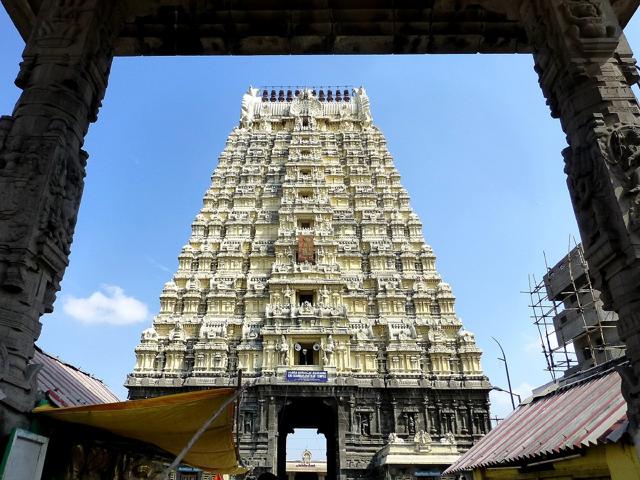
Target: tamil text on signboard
{"points": [[306, 376]]}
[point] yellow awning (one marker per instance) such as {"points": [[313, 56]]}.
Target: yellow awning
{"points": [[168, 422]]}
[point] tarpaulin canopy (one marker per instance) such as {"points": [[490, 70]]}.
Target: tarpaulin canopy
{"points": [[168, 422]]}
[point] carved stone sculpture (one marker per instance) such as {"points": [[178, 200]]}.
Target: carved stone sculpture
{"points": [[579, 47], [42, 168]]}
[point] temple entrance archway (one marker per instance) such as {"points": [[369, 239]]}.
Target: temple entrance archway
{"points": [[585, 66], [309, 412]]}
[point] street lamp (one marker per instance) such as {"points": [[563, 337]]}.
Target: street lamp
{"points": [[506, 368], [507, 391]]}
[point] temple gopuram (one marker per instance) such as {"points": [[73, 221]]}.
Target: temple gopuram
{"points": [[307, 270]]}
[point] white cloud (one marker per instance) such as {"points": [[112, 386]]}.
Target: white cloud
{"points": [[107, 305]]}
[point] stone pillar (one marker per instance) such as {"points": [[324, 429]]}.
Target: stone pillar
{"points": [[337, 454], [394, 416], [273, 426], [352, 415], [436, 420], [586, 69], [42, 165], [425, 405], [263, 415]]}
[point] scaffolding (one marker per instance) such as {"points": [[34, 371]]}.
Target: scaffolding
{"points": [[544, 309], [567, 311]]}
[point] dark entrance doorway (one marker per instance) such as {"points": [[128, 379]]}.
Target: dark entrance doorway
{"points": [[306, 476], [317, 413]]}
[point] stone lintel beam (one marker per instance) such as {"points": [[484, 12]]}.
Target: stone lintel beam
{"points": [[255, 27], [586, 70], [63, 76]]}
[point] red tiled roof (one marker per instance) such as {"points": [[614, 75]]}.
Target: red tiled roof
{"points": [[67, 386], [573, 416]]}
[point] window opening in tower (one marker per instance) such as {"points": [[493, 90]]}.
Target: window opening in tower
{"points": [[305, 297]]}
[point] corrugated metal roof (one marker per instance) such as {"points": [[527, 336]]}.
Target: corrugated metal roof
{"points": [[67, 386], [574, 416]]}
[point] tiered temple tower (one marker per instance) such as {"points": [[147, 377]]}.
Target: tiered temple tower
{"points": [[307, 269]]}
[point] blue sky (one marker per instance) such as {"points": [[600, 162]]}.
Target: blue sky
{"points": [[471, 136]]}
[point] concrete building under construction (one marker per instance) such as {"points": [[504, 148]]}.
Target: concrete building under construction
{"points": [[576, 333]]}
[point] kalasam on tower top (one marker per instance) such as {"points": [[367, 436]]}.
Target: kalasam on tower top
{"points": [[307, 269]]}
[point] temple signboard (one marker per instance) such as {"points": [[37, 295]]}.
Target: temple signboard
{"points": [[306, 376]]}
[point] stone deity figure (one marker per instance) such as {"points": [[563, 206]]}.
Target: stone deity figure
{"points": [[369, 331], [587, 18], [365, 109], [177, 333], [283, 347], [625, 144], [365, 427], [324, 296], [411, 424], [248, 423], [246, 329], [160, 361], [412, 331], [448, 439], [246, 111], [328, 350], [422, 438], [276, 299], [288, 295]]}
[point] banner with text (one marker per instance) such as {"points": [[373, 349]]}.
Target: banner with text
{"points": [[306, 376]]}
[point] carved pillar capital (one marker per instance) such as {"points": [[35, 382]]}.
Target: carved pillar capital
{"points": [[586, 67], [586, 70]]}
